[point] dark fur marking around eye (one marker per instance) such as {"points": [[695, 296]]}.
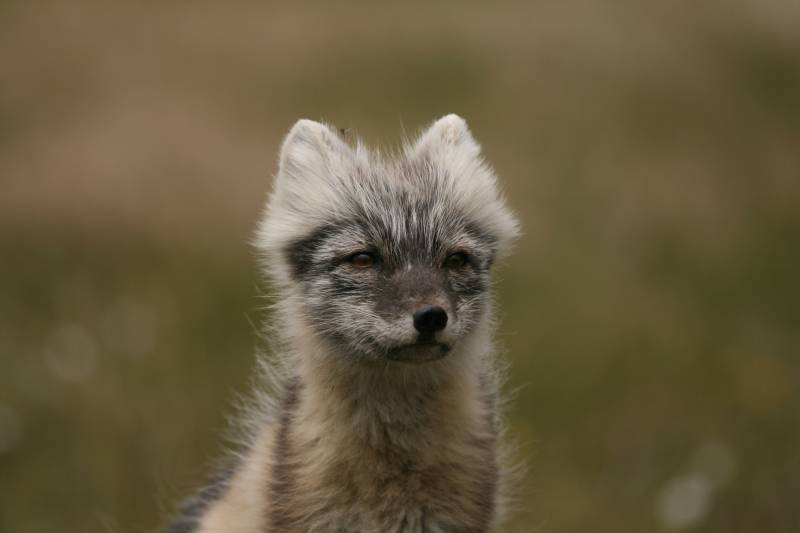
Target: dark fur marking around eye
{"points": [[487, 241], [300, 254], [456, 260]]}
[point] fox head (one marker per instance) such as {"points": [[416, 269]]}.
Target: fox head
{"points": [[384, 257]]}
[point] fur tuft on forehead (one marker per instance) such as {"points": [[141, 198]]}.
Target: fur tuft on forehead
{"points": [[322, 180]]}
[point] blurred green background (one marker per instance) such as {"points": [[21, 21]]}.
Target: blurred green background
{"points": [[651, 311]]}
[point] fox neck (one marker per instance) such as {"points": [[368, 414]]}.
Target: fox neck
{"points": [[352, 432], [402, 402]]}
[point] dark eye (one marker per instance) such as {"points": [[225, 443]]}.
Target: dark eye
{"points": [[456, 260], [362, 260]]}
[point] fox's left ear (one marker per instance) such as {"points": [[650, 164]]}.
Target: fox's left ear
{"points": [[446, 138], [311, 152], [448, 146]]}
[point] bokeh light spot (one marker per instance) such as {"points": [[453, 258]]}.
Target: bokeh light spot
{"points": [[71, 353]]}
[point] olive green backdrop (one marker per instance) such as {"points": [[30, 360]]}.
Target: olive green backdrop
{"points": [[650, 312]]}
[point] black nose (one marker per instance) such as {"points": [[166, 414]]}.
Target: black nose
{"points": [[430, 318]]}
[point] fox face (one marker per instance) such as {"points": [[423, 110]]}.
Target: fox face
{"points": [[386, 257], [404, 283]]}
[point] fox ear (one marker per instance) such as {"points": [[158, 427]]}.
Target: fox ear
{"points": [[447, 137], [311, 150]]}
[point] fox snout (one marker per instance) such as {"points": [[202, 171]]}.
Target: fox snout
{"points": [[422, 293]]}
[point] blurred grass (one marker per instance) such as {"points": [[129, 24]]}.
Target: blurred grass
{"points": [[650, 311]]}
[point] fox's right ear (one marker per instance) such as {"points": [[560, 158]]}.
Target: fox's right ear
{"points": [[310, 151], [313, 161]]}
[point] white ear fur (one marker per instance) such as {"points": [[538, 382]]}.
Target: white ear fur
{"points": [[449, 147], [447, 136], [313, 162], [309, 150]]}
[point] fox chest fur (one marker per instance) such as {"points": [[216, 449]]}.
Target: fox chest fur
{"points": [[402, 465]]}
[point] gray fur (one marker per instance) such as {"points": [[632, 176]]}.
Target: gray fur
{"points": [[373, 425]]}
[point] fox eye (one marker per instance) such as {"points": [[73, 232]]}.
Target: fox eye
{"points": [[456, 260], [362, 260]]}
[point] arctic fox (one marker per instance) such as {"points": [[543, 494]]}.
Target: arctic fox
{"points": [[384, 413]]}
